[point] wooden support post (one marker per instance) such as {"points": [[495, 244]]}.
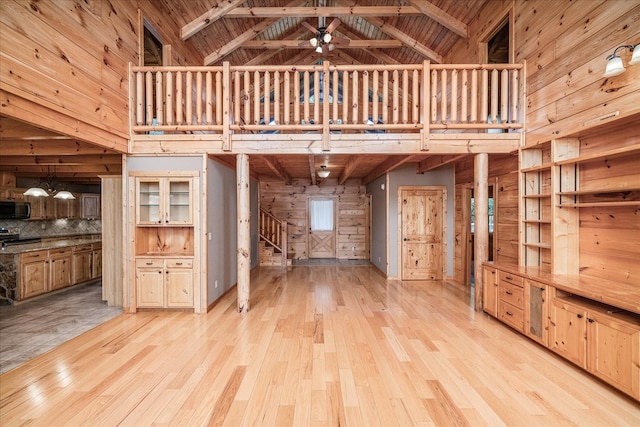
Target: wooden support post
{"points": [[426, 98], [326, 137], [244, 232], [226, 105], [481, 240]]}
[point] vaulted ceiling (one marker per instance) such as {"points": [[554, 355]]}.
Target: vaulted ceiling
{"points": [[269, 32]]}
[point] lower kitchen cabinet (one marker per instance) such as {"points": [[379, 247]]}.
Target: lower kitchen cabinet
{"points": [[536, 311], [164, 283], [511, 300], [96, 261], [568, 331], [34, 274], [82, 258], [490, 290], [59, 268]]}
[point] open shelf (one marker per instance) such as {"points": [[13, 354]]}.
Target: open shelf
{"points": [[537, 168], [536, 221], [537, 245], [598, 191], [537, 196], [609, 153], [598, 204]]}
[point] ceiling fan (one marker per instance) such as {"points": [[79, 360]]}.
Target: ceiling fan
{"points": [[323, 41]]}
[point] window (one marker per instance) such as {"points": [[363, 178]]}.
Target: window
{"points": [[321, 215]]}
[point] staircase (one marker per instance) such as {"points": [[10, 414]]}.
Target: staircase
{"points": [[273, 240]]}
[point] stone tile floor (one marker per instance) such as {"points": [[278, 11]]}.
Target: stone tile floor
{"points": [[35, 327]]}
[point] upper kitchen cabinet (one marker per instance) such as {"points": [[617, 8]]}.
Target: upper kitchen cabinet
{"points": [[164, 201], [90, 206]]}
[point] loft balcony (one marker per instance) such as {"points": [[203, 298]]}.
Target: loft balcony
{"points": [[435, 108]]}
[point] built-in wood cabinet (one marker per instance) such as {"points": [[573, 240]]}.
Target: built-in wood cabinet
{"points": [[511, 300], [34, 273], [67, 208], [42, 207], [60, 268], [96, 260], [490, 290], [166, 244], [82, 258], [568, 331], [89, 206], [536, 311]]}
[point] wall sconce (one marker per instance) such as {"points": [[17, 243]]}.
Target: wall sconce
{"points": [[615, 66]]}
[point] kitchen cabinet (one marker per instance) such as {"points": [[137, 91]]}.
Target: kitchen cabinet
{"points": [[42, 207], [536, 311], [82, 258], [164, 201], [34, 273], [96, 260], [90, 206], [67, 208], [511, 300], [59, 268], [490, 290], [568, 331], [164, 283]]}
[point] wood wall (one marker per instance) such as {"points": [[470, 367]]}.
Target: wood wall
{"points": [[503, 173], [70, 74], [291, 202]]}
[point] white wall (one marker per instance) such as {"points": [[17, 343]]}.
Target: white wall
{"points": [[222, 223]]}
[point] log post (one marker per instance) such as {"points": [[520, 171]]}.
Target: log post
{"points": [[481, 240], [244, 232]]}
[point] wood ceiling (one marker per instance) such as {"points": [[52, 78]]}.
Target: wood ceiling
{"points": [[269, 32]]}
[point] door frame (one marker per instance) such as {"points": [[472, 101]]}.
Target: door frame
{"points": [[441, 188], [334, 199]]}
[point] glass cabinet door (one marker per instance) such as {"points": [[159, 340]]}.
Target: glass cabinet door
{"points": [[179, 201], [149, 203]]}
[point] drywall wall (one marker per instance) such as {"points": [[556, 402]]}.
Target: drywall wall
{"points": [[379, 198]]}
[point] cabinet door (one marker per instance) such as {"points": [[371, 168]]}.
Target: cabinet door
{"points": [[34, 277], [38, 207], [613, 348], [81, 266], [96, 263], [148, 201], [90, 206], [536, 316], [60, 271], [490, 291], [179, 201], [568, 332], [179, 287], [149, 287]]}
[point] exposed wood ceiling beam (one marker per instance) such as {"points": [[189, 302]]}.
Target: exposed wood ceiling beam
{"points": [[406, 39], [391, 163], [441, 17], [244, 37], [111, 159], [349, 167], [434, 162], [277, 169], [265, 56], [58, 169], [295, 44], [350, 33], [302, 58], [209, 17], [312, 168], [50, 147], [280, 12]]}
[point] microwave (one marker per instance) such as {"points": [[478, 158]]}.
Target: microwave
{"points": [[15, 210]]}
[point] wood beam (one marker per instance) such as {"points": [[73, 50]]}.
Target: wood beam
{"points": [[55, 170], [349, 167], [281, 12], [348, 32], [265, 56], [434, 162], [244, 232], [406, 39], [441, 17], [277, 168], [312, 168], [110, 159], [51, 147], [295, 44], [242, 38], [481, 232], [391, 163], [209, 17]]}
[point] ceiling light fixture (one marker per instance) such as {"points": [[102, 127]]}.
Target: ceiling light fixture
{"points": [[323, 172], [615, 66], [36, 192], [64, 194], [320, 39]]}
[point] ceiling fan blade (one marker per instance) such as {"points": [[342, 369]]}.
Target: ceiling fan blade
{"points": [[304, 43], [341, 41], [309, 27], [334, 24]]}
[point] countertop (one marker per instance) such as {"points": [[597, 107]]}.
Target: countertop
{"points": [[48, 244]]}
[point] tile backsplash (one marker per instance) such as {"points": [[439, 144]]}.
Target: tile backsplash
{"points": [[54, 227]]}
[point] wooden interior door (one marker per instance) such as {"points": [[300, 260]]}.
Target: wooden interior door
{"points": [[322, 230], [422, 233]]}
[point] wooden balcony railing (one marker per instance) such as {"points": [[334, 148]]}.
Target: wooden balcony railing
{"points": [[420, 98]]}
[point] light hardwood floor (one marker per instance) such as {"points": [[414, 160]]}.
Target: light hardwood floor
{"points": [[322, 345]]}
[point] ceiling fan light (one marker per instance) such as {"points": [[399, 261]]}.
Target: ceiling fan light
{"points": [[313, 41], [319, 49], [326, 37], [635, 58], [36, 192], [64, 194], [614, 66], [331, 47]]}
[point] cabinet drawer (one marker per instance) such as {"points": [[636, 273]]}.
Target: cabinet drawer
{"points": [[150, 262], [180, 263], [513, 279], [60, 252], [82, 248], [511, 315], [33, 256], [511, 294]]}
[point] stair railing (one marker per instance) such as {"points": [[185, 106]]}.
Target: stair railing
{"points": [[274, 231]]}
